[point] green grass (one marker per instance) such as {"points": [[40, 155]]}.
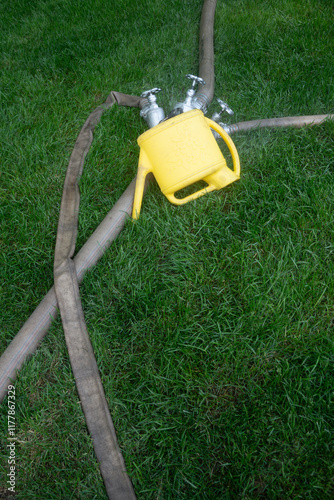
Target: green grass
{"points": [[212, 323]]}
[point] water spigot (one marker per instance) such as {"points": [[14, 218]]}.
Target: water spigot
{"points": [[151, 112], [217, 116], [150, 94], [224, 107], [190, 103], [195, 79]]}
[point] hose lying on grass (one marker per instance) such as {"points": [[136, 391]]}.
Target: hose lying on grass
{"points": [[83, 362], [35, 328], [206, 54], [69, 272], [289, 121], [37, 325]]}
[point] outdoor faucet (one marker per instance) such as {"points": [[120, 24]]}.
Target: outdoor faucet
{"points": [[151, 112], [190, 101], [217, 116]]}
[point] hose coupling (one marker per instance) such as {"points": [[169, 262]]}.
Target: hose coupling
{"points": [[230, 129], [150, 111], [201, 101]]}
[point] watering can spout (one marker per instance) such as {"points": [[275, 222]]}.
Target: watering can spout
{"points": [[180, 152], [143, 169]]}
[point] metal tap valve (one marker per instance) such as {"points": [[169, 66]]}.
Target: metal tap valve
{"points": [[195, 79], [151, 112], [224, 107], [190, 103], [217, 116]]}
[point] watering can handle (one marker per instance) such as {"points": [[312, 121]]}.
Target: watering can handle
{"points": [[236, 166], [230, 144]]}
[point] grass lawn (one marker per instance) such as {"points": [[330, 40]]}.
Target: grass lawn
{"points": [[212, 323]]}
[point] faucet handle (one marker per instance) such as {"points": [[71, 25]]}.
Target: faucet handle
{"points": [[195, 79], [224, 107], [151, 92]]}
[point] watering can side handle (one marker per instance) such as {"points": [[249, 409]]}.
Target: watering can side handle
{"points": [[182, 201], [230, 144], [144, 168], [211, 187]]}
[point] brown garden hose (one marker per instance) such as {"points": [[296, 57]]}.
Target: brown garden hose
{"points": [[68, 272], [288, 121], [83, 362], [206, 54], [37, 325]]}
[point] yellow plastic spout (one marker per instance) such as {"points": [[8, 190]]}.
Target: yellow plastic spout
{"points": [[144, 168], [180, 152]]}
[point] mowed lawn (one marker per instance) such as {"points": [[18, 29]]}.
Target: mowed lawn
{"points": [[212, 323]]}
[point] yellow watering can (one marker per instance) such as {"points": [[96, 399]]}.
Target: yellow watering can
{"points": [[181, 151]]}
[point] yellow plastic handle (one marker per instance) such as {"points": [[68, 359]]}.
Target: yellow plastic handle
{"points": [[190, 197], [230, 144], [236, 166]]}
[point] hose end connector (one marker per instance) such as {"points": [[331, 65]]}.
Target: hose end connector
{"points": [[200, 101]]}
